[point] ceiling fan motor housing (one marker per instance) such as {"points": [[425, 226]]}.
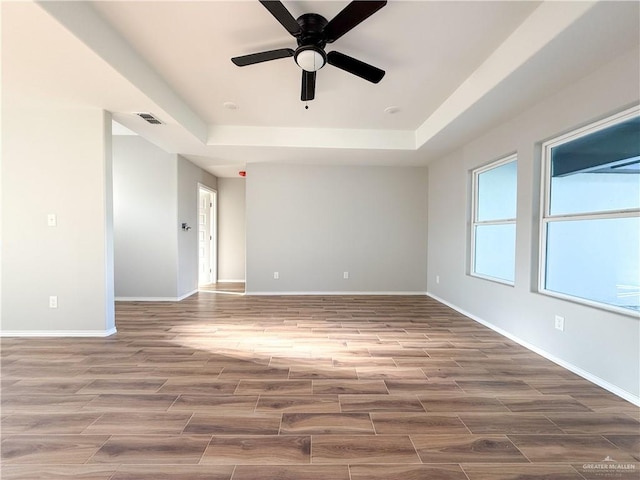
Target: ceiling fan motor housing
{"points": [[312, 30]]}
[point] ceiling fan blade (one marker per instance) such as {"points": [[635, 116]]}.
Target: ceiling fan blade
{"points": [[350, 16], [356, 67], [308, 86], [280, 12], [252, 58]]}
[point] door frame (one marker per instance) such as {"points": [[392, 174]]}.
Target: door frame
{"points": [[213, 232]]}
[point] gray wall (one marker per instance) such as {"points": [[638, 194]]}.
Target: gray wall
{"points": [[145, 212], [154, 193], [55, 161], [602, 345], [312, 223], [189, 176], [231, 229]]}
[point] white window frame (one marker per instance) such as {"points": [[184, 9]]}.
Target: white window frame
{"points": [[545, 206], [475, 173]]}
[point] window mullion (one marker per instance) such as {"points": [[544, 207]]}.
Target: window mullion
{"points": [[506, 221], [594, 216]]}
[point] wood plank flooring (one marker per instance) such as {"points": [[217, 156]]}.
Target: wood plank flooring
{"points": [[223, 287], [231, 387]]}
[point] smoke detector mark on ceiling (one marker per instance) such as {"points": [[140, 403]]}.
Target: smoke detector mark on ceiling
{"points": [[149, 118]]}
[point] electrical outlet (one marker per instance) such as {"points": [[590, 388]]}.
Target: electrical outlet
{"points": [[559, 323], [438, 279], [53, 301], [276, 275], [345, 275], [52, 221]]}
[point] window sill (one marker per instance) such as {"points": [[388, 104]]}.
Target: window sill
{"points": [[591, 303]]}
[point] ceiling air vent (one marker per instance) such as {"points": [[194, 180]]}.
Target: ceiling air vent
{"points": [[149, 118]]}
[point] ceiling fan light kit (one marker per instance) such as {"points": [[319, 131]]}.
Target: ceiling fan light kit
{"points": [[310, 58], [313, 32]]}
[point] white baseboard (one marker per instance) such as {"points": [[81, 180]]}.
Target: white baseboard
{"points": [[230, 281], [187, 295], [628, 396], [220, 292], [147, 299], [337, 294], [58, 333], [155, 299]]}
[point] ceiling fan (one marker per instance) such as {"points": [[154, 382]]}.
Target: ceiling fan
{"points": [[313, 32]]}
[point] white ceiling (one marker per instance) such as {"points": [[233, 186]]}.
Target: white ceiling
{"points": [[453, 69]]}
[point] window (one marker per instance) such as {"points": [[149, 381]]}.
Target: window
{"points": [[590, 235], [493, 233]]}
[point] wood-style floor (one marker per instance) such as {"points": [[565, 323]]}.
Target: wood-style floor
{"points": [[222, 387], [237, 288]]}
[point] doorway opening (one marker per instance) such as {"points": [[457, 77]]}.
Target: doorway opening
{"points": [[207, 236]]}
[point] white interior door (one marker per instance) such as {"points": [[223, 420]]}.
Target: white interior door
{"points": [[206, 230]]}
